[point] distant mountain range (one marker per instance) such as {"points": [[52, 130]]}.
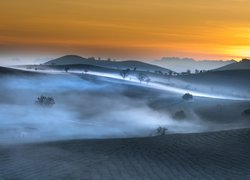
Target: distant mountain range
{"points": [[131, 64], [183, 64], [242, 65]]}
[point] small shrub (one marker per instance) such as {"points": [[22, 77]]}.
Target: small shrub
{"points": [[246, 113], [160, 131], [66, 69], [148, 80], [187, 96], [45, 101], [143, 77]]}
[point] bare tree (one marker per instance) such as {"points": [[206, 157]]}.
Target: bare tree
{"points": [[246, 113], [66, 69], [148, 80]]}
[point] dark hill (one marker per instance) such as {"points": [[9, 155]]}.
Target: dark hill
{"points": [[131, 64], [242, 65], [11, 71]]}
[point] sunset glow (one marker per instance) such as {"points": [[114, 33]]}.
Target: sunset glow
{"points": [[142, 29]]}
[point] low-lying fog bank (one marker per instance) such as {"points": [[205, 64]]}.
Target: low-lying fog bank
{"points": [[88, 107], [83, 109]]}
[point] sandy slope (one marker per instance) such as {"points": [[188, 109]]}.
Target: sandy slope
{"points": [[219, 155]]}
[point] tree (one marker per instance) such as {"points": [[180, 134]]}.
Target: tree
{"points": [[160, 131], [66, 69], [85, 70], [187, 96], [148, 80], [158, 72], [142, 77], [246, 113], [124, 73], [45, 101]]}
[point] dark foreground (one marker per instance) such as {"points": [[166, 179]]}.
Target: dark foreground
{"points": [[219, 155]]}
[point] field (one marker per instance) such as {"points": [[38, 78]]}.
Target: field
{"points": [[103, 126]]}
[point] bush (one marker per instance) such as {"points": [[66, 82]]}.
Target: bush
{"points": [[246, 113], [148, 80], [45, 101], [160, 131], [143, 77], [187, 96], [180, 115], [66, 69]]}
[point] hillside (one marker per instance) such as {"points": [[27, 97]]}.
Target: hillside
{"points": [[219, 155], [73, 59], [219, 82], [5, 71], [182, 64], [242, 65]]}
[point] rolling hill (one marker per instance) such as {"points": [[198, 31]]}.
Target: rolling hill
{"points": [[5, 71], [242, 65], [182, 64], [73, 59], [220, 155]]}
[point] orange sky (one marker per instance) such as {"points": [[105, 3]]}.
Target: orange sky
{"points": [[123, 29]]}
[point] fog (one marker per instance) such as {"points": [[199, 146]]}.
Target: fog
{"points": [[83, 109], [176, 86]]}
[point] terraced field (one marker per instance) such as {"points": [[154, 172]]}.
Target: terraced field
{"points": [[219, 155]]}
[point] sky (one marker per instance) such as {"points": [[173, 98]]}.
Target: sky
{"points": [[119, 29]]}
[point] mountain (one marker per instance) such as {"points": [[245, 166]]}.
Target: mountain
{"points": [[183, 64], [131, 64], [242, 65]]}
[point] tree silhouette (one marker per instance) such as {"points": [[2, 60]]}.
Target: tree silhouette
{"points": [[160, 131], [143, 77], [124, 73], [187, 96], [45, 101], [179, 115]]}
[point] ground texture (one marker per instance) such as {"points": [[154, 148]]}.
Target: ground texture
{"points": [[217, 155]]}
